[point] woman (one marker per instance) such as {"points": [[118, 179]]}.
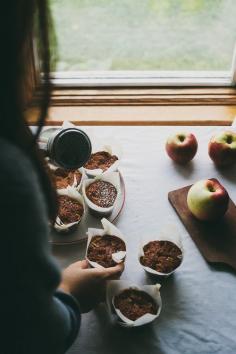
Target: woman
{"points": [[39, 308]]}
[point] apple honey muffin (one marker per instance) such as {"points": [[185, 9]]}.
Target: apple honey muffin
{"points": [[70, 210], [101, 193], [100, 159], [134, 303], [64, 178], [101, 248], [162, 256]]}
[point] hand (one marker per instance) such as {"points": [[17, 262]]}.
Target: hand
{"points": [[86, 284]]}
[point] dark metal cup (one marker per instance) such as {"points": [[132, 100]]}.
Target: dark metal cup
{"points": [[69, 148]]}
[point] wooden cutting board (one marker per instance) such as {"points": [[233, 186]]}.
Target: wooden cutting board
{"points": [[215, 240]]}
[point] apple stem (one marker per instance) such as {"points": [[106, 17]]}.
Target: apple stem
{"points": [[229, 139], [181, 138], [211, 188]]}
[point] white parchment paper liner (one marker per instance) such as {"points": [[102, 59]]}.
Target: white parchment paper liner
{"points": [[168, 233], [108, 229], [74, 185], [113, 178], [112, 150], [115, 287], [74, 194]]}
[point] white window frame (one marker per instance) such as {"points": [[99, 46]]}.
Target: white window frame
{"points": [[142, 78], [145, 78]]}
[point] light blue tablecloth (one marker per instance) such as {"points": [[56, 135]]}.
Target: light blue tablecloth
{"points": [[199, 300]]}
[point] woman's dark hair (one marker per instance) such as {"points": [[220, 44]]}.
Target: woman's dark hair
{"points": [[19, 21]]}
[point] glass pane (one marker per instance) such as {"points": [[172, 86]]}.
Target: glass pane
{"points": [[144, 34]]}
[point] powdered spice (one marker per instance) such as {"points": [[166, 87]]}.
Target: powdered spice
{"points": [[70, 210], [101, 248], [102, 193], [134, 303], [65, 178], [100, 159], [162, 256]]}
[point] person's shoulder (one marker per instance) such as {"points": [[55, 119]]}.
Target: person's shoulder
{"points": [[15, 166], [19, 180], [10, 152]]}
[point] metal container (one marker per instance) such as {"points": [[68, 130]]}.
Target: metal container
{"points": [[68, 148]]}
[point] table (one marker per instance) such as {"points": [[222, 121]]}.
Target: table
{"points": [[199, 313]]}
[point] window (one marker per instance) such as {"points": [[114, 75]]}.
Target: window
{"points": [[151, 42]]}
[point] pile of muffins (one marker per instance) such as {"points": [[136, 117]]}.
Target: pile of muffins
{"points": [[94, 188], [131, 305]]}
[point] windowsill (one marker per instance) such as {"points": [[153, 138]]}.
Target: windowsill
{"points": [[143, 96], [141, 106]]}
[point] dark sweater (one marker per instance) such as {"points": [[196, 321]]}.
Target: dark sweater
{"points": [[34, 317]]}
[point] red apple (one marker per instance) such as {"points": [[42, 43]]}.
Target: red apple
{"points": [[181, 147], [222, 148], [207, 199]]}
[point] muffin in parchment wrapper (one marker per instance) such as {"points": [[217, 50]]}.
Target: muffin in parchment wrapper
{"points": [[112, 150], [114, 179], [167, 233], [73, 194], [115, 287], [108, 229], [75, 184]]}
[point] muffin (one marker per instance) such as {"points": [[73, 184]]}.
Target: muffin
{"points": [[70, 210], [100, 160], [161, 256], [101, 193], [64, 178], [102, 248], [130, 305], [134, 303]]}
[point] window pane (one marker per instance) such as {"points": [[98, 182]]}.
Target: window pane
{"points": [[144, 34]]}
